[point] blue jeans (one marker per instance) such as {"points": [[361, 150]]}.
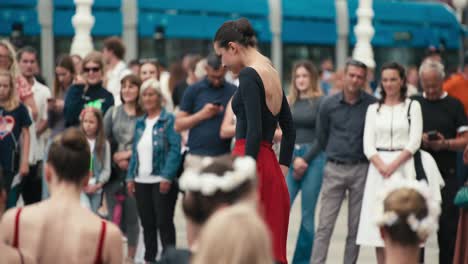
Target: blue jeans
{"points": [[45, 188], [309, 184]]}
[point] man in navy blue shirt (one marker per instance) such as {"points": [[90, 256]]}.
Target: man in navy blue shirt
{"points": [[202, 111]]}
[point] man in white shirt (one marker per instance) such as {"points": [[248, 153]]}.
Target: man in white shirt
{"points": [[32, 184], [113, 53]]}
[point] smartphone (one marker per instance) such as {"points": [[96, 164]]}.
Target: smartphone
{"points": [[433, 135]]}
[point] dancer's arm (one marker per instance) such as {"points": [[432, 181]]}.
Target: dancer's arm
{"points": [[289, 133], [250, 93], [228, 127]]}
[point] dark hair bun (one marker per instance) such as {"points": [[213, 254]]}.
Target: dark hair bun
{"points": [[74, 140], [70, 156], [244, 27], [240, 31]]}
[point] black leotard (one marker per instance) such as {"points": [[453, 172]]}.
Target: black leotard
{"points": [[255, 122]]}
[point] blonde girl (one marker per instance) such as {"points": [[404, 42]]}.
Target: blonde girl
{"points": [[14, 128], [9, 63]]}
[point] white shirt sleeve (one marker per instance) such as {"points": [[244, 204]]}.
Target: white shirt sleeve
{"points": [[416, 128], [369, 131]]}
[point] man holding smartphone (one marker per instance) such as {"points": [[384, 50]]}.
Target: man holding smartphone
{"points": [[445, 129], [202, 111]]}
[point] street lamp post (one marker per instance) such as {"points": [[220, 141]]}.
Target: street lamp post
{"points": [[45, 11], [275, 28], [342, 30], [82, 21], [364, 32], [459, 6], [130, 22]]}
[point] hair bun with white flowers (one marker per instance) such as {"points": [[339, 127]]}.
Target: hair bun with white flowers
{"points": [[244, 169], [424, 226]]}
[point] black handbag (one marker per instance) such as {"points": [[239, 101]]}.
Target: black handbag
{"points": [[418, 166]]}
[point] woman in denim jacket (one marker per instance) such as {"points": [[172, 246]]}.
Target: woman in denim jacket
{"points": [[152, 170]]}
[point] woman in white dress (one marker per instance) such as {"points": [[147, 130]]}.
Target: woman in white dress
{"points": [[391, 137]]}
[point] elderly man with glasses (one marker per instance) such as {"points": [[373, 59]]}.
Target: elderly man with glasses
{"points": [[340, 127], [444, 133]]}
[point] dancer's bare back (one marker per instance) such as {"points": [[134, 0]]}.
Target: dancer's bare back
{"points": [[271, 83], [62, 232]]}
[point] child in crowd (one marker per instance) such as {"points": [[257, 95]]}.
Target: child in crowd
{"points": [[14, 128], [92, 127]]}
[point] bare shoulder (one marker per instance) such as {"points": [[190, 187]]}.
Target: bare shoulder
{"points": [[271, 83], [30, 216], [113, 244], [7, 225], [113, 232], [264, 69]]}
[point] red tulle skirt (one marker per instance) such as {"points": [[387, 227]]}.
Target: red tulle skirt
{"points": [[274, 196]]}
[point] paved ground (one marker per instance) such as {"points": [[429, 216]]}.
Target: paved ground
{"points": [[336, 250]]}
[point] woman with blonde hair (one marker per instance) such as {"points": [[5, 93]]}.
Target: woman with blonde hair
{"points": [[24, 89], [234, 235], [305, 96], [92, 93], [14, 128], [406, 215]]}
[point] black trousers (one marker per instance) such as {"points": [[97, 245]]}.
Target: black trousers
{"points": [[156, 212], [31, 185], [448, 221], [129, 221]]}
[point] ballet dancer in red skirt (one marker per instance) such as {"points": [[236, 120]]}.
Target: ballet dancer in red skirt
{"points": [[259, 105]]}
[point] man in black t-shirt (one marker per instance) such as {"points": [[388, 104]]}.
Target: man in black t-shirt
{"points": [[445, 119]]}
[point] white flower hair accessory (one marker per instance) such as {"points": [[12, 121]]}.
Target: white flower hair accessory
{"points": [[422, 227], [209, 183], [387, 219]]}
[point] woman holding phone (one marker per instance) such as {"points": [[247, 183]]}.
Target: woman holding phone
{"points": [[64, 76]]}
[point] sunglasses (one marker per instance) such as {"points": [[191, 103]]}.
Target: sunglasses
{"points": [[91, 69]]}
